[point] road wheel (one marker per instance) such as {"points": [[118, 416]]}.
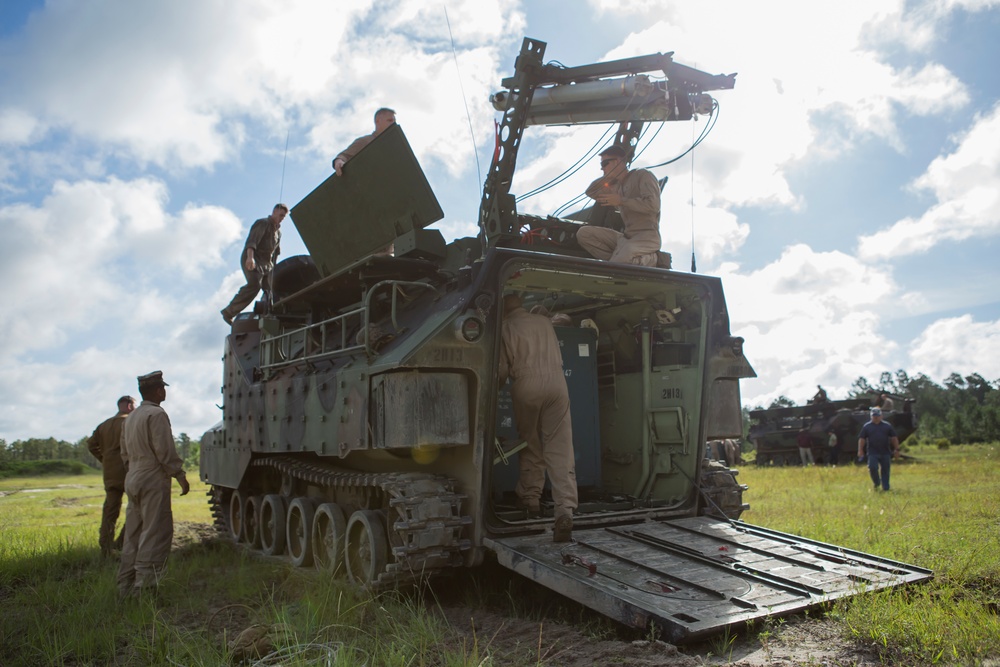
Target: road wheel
{"points": [[367, 547], [236, 515], [251, 522], [298, 529], [328, 536], [272, 525]]}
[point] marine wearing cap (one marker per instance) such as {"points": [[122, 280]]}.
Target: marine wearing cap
{"points": [[154, 379], [151, 458]]}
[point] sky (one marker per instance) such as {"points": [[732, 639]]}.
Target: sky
{"points": [[848, 195]]}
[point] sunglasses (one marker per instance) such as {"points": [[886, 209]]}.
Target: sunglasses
{"points": [[605, 163]]}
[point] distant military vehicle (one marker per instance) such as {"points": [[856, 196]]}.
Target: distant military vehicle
{"points": [[364, 430], [773, 431]]}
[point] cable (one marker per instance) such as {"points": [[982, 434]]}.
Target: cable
{"points": [[572, 169], [694, 266], [576, 166], [281, 190], [713, 118], [468, 116]]}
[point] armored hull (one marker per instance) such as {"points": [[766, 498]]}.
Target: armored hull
{"points": [[365, 430]]}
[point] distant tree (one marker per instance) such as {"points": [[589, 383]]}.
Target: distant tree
{"points": [[188, 449], [965, 409], [859, 388], [781, 402], [887, 383]]}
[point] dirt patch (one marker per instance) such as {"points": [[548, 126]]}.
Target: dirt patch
{"points": [[509, 640], [187, 534], [515, 641]]}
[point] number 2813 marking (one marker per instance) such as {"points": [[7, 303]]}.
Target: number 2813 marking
{"points": [[447, 355], [671, 393]]}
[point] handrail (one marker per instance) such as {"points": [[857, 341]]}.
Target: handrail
{"points": [[396, 290], [277, 350]]}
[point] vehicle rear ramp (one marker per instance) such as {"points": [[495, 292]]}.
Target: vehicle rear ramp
{"points": [[693, 577]]}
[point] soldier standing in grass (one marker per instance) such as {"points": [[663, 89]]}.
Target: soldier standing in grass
{"points": [[883, 446], [105, 445], [151, 459]]}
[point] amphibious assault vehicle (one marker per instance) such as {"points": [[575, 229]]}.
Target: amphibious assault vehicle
{"points": [[774, 431], [364, 431]]}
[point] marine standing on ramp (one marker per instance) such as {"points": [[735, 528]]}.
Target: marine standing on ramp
{"points": [[105, 445], [151, 459], [530, 356]]}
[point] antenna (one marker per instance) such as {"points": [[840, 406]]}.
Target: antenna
{"points": [[281, 190], [694, 266], [465, 101]]}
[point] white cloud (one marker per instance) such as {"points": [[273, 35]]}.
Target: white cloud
{"points": [[17, 127], [79, 259], [186, 84], [966, 184], [809, 317], [957, 345], [802, 93]]}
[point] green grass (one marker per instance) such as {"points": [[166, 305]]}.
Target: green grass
{"points": [[59, 603], [943, 513]]}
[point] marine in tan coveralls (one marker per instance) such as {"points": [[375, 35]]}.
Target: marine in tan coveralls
{"points": [[636, 194], [530, 356], [151, 459], [105, 445], [262, 246], [384, 119]]}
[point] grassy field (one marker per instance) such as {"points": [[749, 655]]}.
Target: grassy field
{"points": [[58, 602]]}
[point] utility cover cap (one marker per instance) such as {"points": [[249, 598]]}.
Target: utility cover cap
{"points": [[614, 151], [154, 379]]}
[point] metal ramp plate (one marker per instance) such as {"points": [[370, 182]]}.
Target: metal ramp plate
{"points": [[694, 577]]}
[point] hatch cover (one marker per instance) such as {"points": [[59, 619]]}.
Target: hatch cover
{"points": [[694, 577]]}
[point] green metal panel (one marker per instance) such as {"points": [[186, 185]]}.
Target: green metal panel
{"points": [[382, 194]]}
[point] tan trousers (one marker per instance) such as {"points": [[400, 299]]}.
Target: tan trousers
{"points": [[604, 243], [149, 530], [256, 279], [541, 413], [109, 518]]}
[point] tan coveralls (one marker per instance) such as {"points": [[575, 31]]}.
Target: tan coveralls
{"points": [[355, 147], [105, 445], [265, 239], [530, 356], [640, 210], [151, 460]]}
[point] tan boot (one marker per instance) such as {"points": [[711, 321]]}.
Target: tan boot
{"points": [[532, 509], [563, 529]]}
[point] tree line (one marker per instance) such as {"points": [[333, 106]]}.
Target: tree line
{"points": [[962, 410], [50, 449]]}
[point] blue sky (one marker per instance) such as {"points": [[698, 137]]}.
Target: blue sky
{"points": [[849, 195]]}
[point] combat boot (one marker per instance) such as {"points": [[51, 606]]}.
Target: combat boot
{"points": [[563, 529], [533, 510]]}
